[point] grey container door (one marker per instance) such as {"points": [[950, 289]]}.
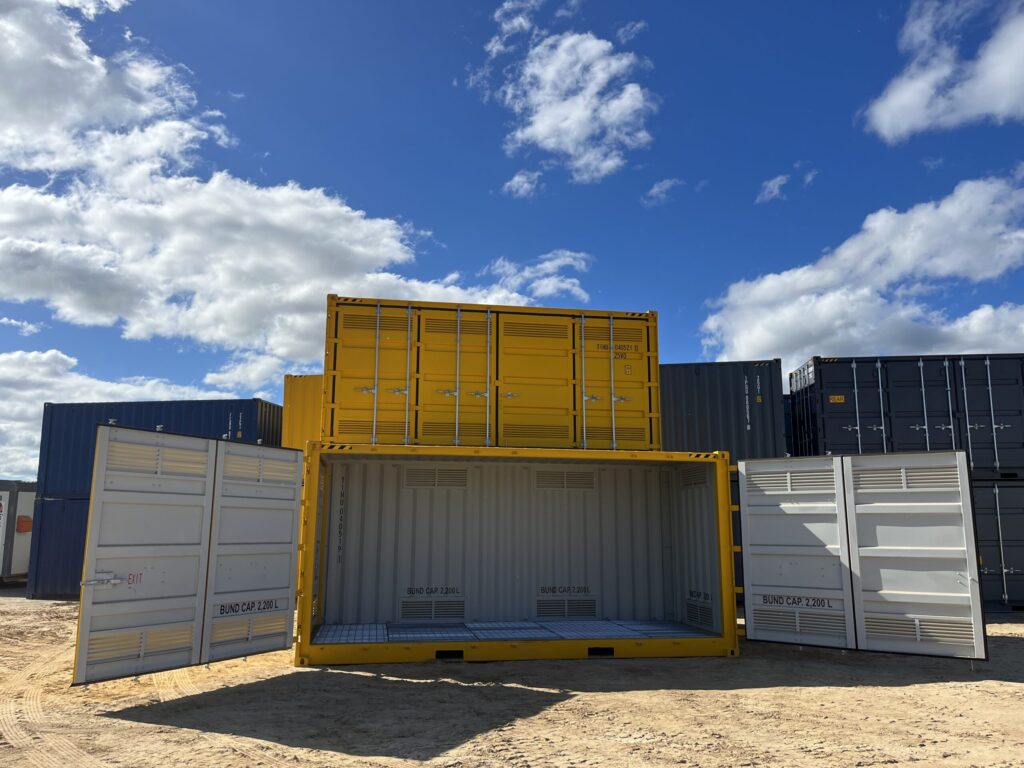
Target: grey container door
{"points": [[862, 552], [164, 522]]}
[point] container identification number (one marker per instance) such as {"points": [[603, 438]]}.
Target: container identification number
{"points": [[797, 601]]}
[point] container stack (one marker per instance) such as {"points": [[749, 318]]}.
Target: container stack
{"points": [[65, 477], [489, 484], [971, 403]]}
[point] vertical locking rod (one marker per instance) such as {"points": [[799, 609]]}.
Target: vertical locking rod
{"points": [[924, 405], [458, 347], [992, 411], [881, 403], [611, 363], [488, 387], [408, 364], [583, 373], [376, 378], [949, 401], [967, 412], [856, 405]]}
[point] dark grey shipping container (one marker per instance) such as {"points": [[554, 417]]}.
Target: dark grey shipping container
{"points": [[733, 406], [973, 403], [999, 522], [66, 449]]}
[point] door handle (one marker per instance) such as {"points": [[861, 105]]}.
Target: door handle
{"points": [[103, 579]]}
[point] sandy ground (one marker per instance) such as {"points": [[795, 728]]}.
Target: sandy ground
{"points": [[774, 706]]}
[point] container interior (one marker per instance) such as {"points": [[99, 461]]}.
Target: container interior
{"points": [[442, 549]]}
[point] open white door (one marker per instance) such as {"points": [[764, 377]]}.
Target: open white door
{"points": [[173, 519], [862, 552], [796, 569], [913, 556]]}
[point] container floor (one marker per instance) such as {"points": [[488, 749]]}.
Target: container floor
{"points": [[327, 634]]}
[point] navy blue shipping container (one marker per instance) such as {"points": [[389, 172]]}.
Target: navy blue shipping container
{"points": [[999, 524], [66, 451]]}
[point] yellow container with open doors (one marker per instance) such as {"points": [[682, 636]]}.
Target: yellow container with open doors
{"points": [[415, 553], [423, 373]]}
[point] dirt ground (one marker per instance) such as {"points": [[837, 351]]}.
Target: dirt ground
{"points": [[774, 706]]}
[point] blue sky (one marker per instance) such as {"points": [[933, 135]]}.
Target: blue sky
{"points": [[178, 195]]}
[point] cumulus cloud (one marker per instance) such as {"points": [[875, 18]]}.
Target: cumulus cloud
{"points": [[810, 176], [940, 89], [628, 31], [573, 98], [25, 328], [29, 379], [523, 184], [545, 277], [772, 189], [868, 296], [131, 237], [513, 17], [569, 9], [659, 192]]}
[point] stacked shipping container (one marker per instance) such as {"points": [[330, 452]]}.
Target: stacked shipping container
{"points": [[973, 403], [66, 459]]}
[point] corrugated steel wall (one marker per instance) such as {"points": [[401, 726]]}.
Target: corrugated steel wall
{"points": [[300, 417], [508, 541], [65, 468], [733, 406]]}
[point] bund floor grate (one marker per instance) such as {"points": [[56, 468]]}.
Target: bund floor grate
{"points": [[590, 629]]}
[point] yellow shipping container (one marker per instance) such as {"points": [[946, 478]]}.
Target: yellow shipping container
{"points": [[300, 420], [427, 373]]}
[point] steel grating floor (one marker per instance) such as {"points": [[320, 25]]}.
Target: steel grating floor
{"points": [[591, 629]]}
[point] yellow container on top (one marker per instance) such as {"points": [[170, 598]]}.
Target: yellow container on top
{"points": [[300, 418], [425, 373]]}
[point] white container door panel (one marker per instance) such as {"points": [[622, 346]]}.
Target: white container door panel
{"points": [[913, 554], [795, 565]]}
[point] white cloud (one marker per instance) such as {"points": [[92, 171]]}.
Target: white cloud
{"points": [[25, 328], [867, 296], [941, 89], [772, 189], [514, 17], [523, 184], [628, 31], [659, 192], [810, 176], [569, 9], [247, 370], [932, 163], [29, 379], [131, 238], [573, 99], [544, 278]]}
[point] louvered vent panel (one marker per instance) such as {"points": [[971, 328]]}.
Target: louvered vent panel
{"points": [[774, 621], [449, 609], [178, 461], [369, 323], [127, 645], [891, 627], [446, 429], [581, 608], [693, 474], [768, 482], [442, 325], [168, 639], [541, 431], [948, 632], [946, 478], [275, 471], [699, 613], [823, 480], [550, 609], [546, 479], [882, 479], [230, 631], [600, 332], [241, 467], [416, 609], [537, 330], [430, 477], [823, 623], [366, 427], [144, 459], [621, 433]]}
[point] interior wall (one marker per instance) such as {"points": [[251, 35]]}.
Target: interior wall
{"points": [[631, 547]]}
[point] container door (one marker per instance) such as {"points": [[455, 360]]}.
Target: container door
{"points": [[796, 570], [455, 367], [172, 520], [991, 402], [370, 360], [535, 381], [6, 520], [913, 556], [21, 544], [613, 368]]}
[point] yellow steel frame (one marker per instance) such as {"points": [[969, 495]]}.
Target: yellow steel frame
{"points": [[308, 654]]}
